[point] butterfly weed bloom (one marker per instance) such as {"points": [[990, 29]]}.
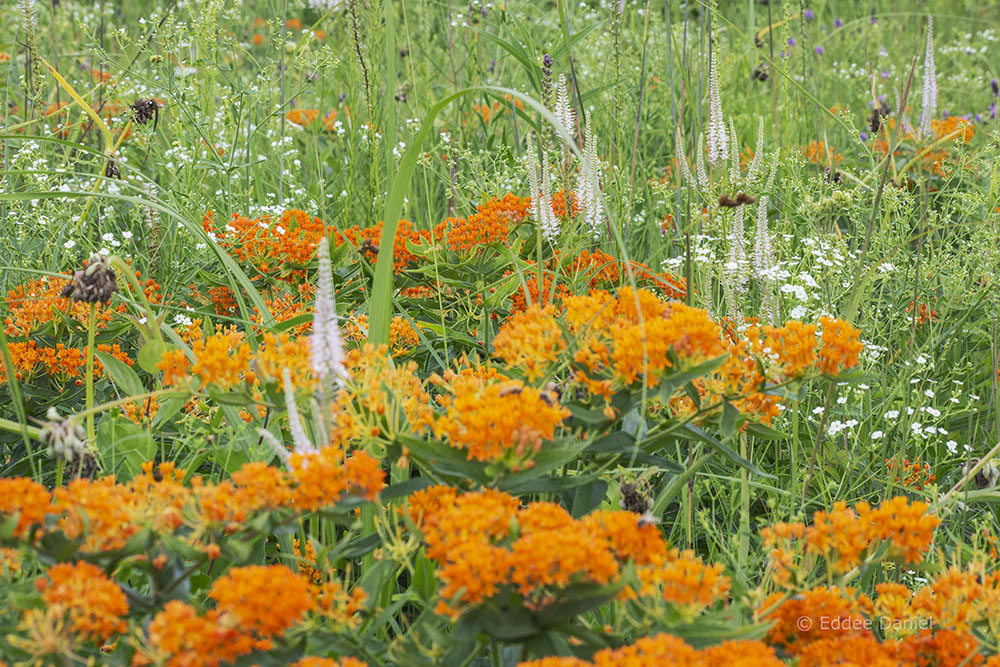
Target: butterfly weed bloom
{"points": [[28, 500], [485, 543], [929, 97], [326, 342], [174, 365], [281, 352], [94, 604], [491, 223], [222, 359], [403, 337], [531, 341], [264, 600], [843, 537], [841, 345], [491, 417]]}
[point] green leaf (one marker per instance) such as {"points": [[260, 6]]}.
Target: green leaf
{"points": [[150, 354], [696, 433], [730, 420], [121, 374]]}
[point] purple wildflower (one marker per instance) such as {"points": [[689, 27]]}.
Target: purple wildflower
{"points": [[809, 15], [819, 49], [791, 41], [839, 23], [996, 87], [864, 136]]}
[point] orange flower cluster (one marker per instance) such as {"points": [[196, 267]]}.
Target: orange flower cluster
{"points": [[306, 117], [270, 245], [841, 346], [104, 514], [843, 536], [93, 603], [35, 303], [222, 359], [484, 542], [600, 270], [531, 340], [281, 351], [254, 605], [402, 336], [824, 626], [61, 363], [912, 473], [665, 650], [822, 154], [490, 224], [491, 417], [606, 271]]}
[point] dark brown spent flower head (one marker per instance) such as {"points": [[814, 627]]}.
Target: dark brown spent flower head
{"points": [[635, 497], [145, 111], [878, 113], [759, 72], [744, 198], [111, 170], [94, 283], [368, 246], [728, 202]]}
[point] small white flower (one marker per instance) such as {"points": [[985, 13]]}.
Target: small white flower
{"points": [[952, 446], [126, 235], [892, 414], [841, 400], [928, 393], [69, 244], [108, 237], [818, 411], [877, 435]]}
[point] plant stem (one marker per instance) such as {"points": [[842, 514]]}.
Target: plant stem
{"points": [[91, 326]]}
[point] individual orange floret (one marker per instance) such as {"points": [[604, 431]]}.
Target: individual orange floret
{"points": [[266, 600], [28, 499], [488, 419], [222, 359], [530, 341], [174, 364], [840, 346], [93, 603]]}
